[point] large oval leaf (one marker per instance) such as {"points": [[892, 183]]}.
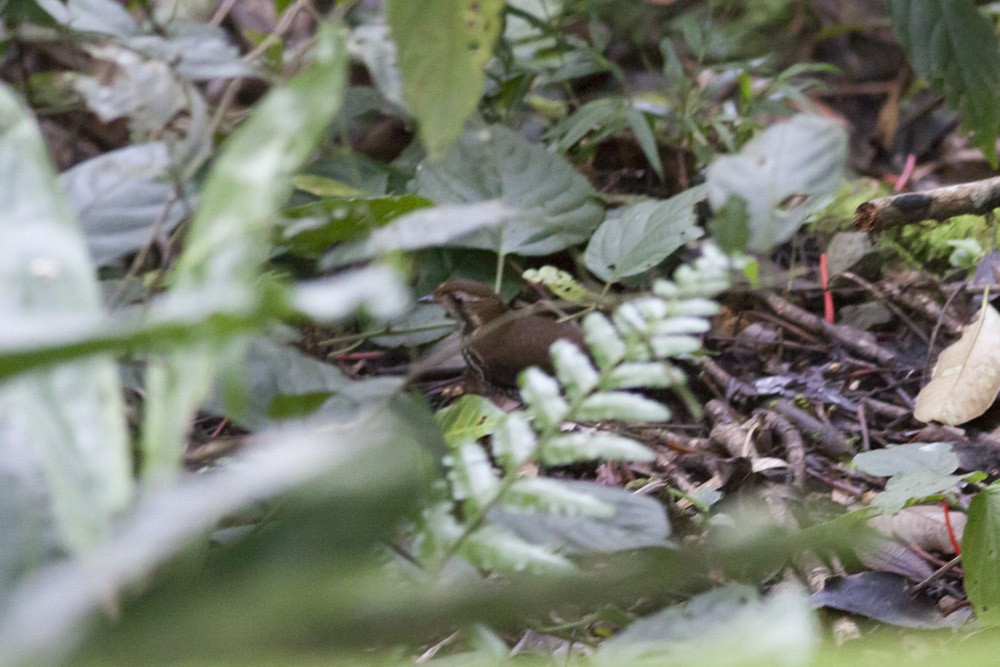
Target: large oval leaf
{"points": [[443, 46], [68, 419], [643, 235], [122, 198], [551, 204], [783, 175]]}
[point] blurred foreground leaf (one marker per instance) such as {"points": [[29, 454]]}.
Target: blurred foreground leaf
{"points": [[443, 46], [333, 492], [229, 236], [66, 420]]}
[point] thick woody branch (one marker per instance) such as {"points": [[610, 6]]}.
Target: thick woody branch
{"points": [[976, 198]]}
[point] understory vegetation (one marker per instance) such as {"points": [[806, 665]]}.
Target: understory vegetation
{"points": [[231, 429]]}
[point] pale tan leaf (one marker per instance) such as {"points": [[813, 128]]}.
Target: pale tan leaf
{"points": [[923, 525], [966, 377]]}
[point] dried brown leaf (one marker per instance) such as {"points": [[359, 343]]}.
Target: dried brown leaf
{"points": [[966, 377]]}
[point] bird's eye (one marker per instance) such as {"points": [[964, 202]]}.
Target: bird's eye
{"points": [[456, 299]]}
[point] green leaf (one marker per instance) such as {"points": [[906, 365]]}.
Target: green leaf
{"points": [[469, 418], [634, 522], [592, 446], [729, 226], [646, 139], [645, 374], [67, 420], [981, 555], [121, 197], [335, 496], [540, 494], [423, 228], [574, 370], [716, 627], [932, 457], [313, 228], [280, 380], [905, 488], [514, 442], [639, 237], [551, 205], [562, 284], [621, 405], [492, 548], [471, 475], [443, 46], [784, 174], [229, 237], [954, 47]]}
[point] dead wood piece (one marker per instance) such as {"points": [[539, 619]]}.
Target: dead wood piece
{"points": [[730, 385], [733, 439], [795, 451], [830, 441], [719, 412], [858, 341], [976, 198], [885, 409]]}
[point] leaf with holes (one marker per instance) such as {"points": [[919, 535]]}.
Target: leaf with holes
{"points": [[783, 175]]}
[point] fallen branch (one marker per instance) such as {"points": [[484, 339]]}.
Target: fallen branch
{"points": [[976, 198]]}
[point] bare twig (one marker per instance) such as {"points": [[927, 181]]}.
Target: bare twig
{"points": [[856, 340]]}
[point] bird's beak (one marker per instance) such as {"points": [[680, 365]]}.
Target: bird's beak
{"points": [[427, 298]]}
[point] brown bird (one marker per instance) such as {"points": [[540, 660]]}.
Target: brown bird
{"points": [[497, 341]]}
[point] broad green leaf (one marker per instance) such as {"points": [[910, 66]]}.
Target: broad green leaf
{"points": [[340, 489], [908, 487], [425, 323], [423, 228], [375, 289], [981, 555], [729, 227], [634, 522], [313, 228], [727, 626], [442, 47], [639, 237], [784, 174], [124, 199], [933, 457], [69, 419], [469, 418], [954, 47], [592, 446], [276, 373], [229, 236], [551, 206]]}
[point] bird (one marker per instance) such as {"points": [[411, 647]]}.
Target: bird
{"points": [[499, 342]]}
